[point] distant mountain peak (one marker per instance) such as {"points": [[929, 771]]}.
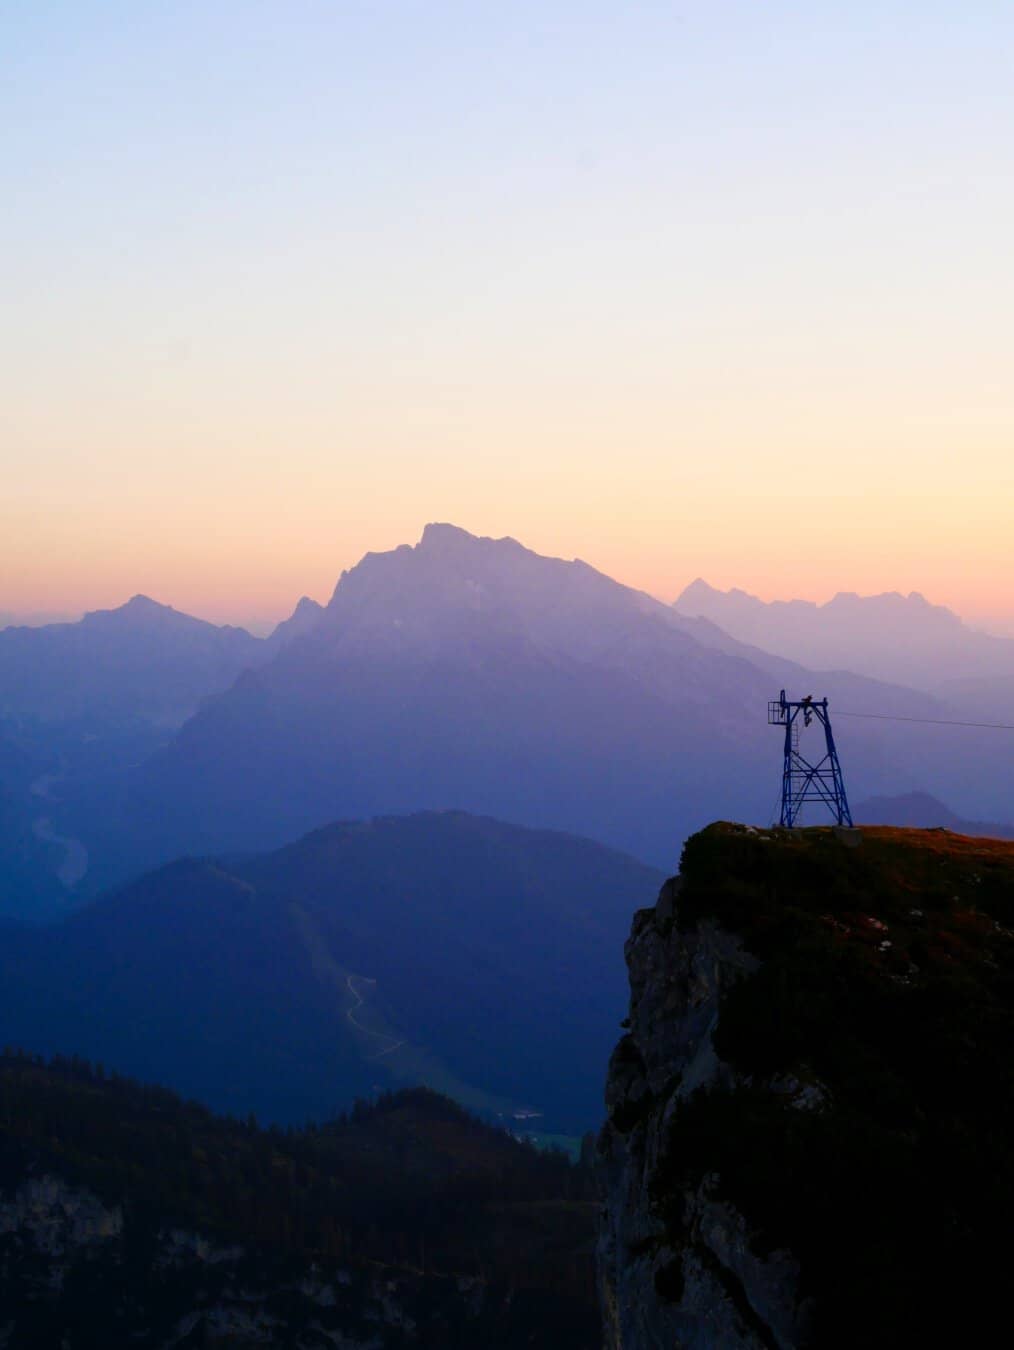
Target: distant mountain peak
{"points": [[913, 604], [441, 538], [140, 663], [903, 638], [701, 599], [144, 607], [697, 589], [417, 596], [140, 601], [438, 532], [301, 621], [139, 609], [921, 810]]}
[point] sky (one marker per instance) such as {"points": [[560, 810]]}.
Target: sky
{"points": [[719, 289]]}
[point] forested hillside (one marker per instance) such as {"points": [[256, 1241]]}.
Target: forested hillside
{"points": [[147, 1210]]}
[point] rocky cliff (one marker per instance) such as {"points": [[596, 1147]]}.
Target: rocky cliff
{"points": [[809, 1113]]}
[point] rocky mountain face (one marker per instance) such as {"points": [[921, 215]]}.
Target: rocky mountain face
{"points": [[808, 1133], [709, 1288]]}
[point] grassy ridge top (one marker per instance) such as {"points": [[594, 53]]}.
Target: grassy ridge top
{"points": [[917, 902]]}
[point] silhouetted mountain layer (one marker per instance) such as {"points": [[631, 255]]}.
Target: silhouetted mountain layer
{"points": [[889, 637], [33, 618], [303, 619], [81, 702], [921, 811], [474, 956], [29, 862], [472, 673], [143, 661]]}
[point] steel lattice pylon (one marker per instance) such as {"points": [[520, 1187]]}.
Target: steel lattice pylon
{"points": [[802, 781]]}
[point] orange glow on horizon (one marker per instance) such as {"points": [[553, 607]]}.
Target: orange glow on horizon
{"points": [[654, 291], [232, 573]]}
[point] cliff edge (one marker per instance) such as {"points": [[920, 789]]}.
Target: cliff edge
{"points": [[810, 1114]]}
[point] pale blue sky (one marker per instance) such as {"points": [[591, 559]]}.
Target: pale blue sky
{"points": [[282, 282]]}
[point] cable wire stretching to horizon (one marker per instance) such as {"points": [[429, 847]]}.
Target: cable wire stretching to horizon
{"points": [[930, 721]]}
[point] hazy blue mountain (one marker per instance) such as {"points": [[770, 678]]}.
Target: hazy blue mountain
{"points": [[33, 619], [303, 619], [79, 703], [472, 673], [29, 862], [921, 811], [141, 662], [890, 637], [475, 956], [984, 698]]}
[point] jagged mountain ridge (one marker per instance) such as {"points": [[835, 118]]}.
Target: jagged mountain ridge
{"points": [[79, 703], [141, 661], [893, 637], [303, 619], [473, 673]]}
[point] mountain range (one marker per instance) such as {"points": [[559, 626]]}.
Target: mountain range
{"points": [[900, 638], [921, 811], [474, 956], [473, 673], [142, 662], [460, 673], [84, 700]]}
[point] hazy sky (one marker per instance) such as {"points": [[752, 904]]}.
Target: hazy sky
{"points": [[697, 288]]}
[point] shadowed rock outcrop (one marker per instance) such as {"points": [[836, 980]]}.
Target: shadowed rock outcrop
{"points": [[810, 1111], [705, 1287]]}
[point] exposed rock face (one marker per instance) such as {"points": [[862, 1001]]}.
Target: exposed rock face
{"points": [[55, 1218], [67, 1265], [810, 1117], [708, 1288]]}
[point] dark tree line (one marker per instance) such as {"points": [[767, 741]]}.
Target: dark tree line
{"points": [[409, 1179]]}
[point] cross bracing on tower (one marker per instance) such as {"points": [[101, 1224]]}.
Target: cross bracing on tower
{"points": [[804, 782]]}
